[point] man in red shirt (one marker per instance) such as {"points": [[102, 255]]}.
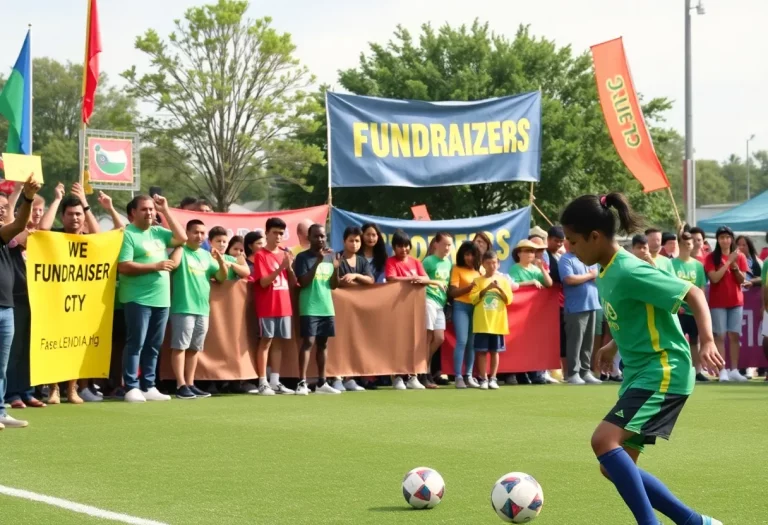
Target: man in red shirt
{"points": [[273, 275], [726, 269]]}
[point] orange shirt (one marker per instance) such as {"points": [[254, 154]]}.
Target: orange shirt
{"points": [[461, 277]]}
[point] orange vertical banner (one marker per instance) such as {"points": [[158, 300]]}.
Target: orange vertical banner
{"points": [[624, 117]]}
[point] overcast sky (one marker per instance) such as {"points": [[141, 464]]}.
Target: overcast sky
{"points": [[730, 43]]}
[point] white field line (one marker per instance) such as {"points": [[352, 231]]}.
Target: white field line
{"points": [[76, 507]]}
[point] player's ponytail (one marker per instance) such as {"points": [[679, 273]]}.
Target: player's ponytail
{"points": [[590, 213]]}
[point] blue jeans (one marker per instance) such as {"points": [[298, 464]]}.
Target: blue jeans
{"points": [[145, 331], [464, 351], [18, 386], [6, 338]]}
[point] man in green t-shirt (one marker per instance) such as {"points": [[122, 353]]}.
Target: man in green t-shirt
{"points": [[689, 269], [145, 291], [438, 267], [190, 305], [316, 273]]}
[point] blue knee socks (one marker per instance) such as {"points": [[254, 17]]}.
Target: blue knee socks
{"points": [[626, 477], [666, 502]]}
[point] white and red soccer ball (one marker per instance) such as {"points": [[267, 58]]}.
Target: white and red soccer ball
{"points": [[423, 488], [517, 498]]}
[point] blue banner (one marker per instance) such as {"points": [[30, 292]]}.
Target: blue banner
{"points": [[385, 142], [504, 229]]}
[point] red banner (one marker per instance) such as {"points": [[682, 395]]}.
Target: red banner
{"points": [[533, 342], [242, 223], [624, 117]]}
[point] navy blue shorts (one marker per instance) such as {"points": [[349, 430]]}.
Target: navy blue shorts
{"points": [[316, 326], [489, 343]]}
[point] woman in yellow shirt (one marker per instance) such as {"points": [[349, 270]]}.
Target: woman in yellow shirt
{"points": [[463, 276], [490, 294]]}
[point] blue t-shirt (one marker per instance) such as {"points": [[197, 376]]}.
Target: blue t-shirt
{"points": [[581, 297]]}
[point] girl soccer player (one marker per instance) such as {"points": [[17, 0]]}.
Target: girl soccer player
{"points": [[640, 304]]}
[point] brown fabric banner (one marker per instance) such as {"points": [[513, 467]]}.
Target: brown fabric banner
{"points": [[380, 330]]}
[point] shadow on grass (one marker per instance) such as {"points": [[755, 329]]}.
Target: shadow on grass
{"points": [[392, 509]]}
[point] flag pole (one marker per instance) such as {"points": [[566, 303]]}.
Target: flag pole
{"points": [[674, 207], [81, 176]]}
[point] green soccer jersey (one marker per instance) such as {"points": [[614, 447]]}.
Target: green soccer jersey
{"points": [[145, 247], [764, 274], [640, 305], [691, 271], [521, 275], [438, 270], [664, 264], [315, 299], [192, 282], [231, 275]]}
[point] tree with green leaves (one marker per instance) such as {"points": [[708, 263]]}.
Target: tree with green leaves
{"points": [[229, 100], [472, 63]]}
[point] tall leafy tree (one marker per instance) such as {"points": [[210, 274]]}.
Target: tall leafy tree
{"points": [[229, 99], [472, 63]]}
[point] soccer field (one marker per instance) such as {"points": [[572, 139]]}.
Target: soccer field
{"points": [[341, 459]]}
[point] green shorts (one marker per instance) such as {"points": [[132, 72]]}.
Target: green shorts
{"points": [[599, 317], [647, 414]]}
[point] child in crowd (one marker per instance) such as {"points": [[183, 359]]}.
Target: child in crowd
{"points": [[438, 268], [316, 273], [463, 276], [402, 267], [374, 249], [272, 272], [237, 268], [252, 243], [641, 304], [529, 270], [190, 307], [491, 294], [640, 248]]}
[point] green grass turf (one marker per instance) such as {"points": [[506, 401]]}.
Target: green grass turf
{"points": [[341, 459]]}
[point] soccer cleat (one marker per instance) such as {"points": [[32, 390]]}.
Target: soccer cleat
{"points": [[153, 394], [134, 395], [351, 386], [338, 384], [493, 384], [11, 422], [735, 375], [198, 392], [326, 389], [706, 520], [302, 389], [398, 383], [575, 379], [483, 384], [184, 392], [472, 382], [281, 389], [88, 396], [265, 390], [413, 383], [460, 382], [590, 379]]}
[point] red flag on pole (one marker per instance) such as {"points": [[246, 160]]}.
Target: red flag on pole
{"points": [[91, 65]]}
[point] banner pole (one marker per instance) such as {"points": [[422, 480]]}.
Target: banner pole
{"points": [[674, 207], [328, 150]]}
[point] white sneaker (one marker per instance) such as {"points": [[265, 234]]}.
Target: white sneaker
{"points": [[89, 397], [250, 388], [265, 390], [472, 382], [281, 389], [351, 386], [11, 422], [460, 382], [751, 373], [576, 380], [549, 379], [493, 384], [483, 384], [134, 395], [590, 379], [724, 376], [398, 384], [338, 385], [326, 389], [735, 375], [302, 389], [413, 384], [153, 394]]}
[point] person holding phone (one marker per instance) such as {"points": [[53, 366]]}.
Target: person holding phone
{"points": [[316, 272]]}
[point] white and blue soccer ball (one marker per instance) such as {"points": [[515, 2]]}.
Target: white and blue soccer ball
{"points": [[517, 497], [423, 488]]}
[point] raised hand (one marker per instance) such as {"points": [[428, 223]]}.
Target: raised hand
{"points": [[105, 201], [30, 188], [79, 192], [161, 203], [59, 191]]}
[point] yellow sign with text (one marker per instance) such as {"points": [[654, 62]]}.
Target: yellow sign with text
{"points": [[71, 282]]}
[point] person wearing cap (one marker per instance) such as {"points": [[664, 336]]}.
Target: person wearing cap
{"points": [[654, 247], [726, 268]]}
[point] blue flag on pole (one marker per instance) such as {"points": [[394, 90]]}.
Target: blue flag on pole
{"points": [[16, 102]]}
